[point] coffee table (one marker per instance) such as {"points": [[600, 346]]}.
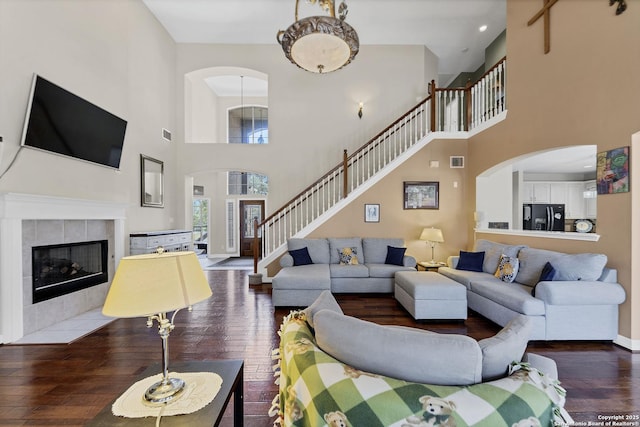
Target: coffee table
{"points": [[231, 372]]}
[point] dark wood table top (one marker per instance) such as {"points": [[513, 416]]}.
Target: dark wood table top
{"points": [[210, 415]]}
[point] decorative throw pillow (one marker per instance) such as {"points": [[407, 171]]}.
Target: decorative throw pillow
{"points": [[548, 274], [301, 256], [470, 261], [395, 256], [507, 268], [348, 256]]}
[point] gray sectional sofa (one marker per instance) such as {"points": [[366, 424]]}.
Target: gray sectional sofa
{"points": [[298, 285], [579, 303]]}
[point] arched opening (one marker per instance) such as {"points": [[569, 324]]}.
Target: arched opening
{"points": [[563, 178], [210, 96]]}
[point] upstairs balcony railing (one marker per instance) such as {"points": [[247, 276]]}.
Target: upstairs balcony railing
{"points": [[444, 110]]}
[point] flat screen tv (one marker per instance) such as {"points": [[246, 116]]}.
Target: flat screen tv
{"points": [[60, 122]]}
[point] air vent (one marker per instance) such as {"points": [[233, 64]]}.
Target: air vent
{"points": [[166, 135]]}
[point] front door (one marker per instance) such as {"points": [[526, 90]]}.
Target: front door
{"points": [[250, 210]]}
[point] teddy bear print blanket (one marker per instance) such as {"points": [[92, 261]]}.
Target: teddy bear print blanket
{"points": [[317, 390]]}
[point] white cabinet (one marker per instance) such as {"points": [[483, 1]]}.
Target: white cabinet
{"points": [[536, 192], [590, 199], [574, 205], [170, 240]]}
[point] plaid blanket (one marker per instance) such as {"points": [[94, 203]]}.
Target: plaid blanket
{"points": [[318, 390]]}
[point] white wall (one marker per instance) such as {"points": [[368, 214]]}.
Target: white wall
{"points": [[312, 118], [112, 53], [494, 197]]}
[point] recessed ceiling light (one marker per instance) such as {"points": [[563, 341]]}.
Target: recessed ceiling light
{"points": [[483, 28], [465, 50], [588, 166]]}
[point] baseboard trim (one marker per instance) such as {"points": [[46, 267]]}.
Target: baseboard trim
{"points": [[629, 344]]}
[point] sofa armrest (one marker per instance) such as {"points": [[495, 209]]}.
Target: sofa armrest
{"points": [[543, 364], [452, 261], [580, 292], [286, 261], [609, 275], [409, 261]]}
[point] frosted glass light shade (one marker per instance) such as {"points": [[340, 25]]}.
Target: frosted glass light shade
{"points": [[432, 234], [156, 283]]}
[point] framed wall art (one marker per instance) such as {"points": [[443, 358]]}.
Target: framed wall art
{"points": [[371, 213], [612, 171], [421, 195]]}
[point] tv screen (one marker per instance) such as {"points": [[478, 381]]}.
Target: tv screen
{"points": [[63, 123]]}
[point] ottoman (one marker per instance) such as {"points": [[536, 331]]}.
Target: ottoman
{"points": [[429, 295]]}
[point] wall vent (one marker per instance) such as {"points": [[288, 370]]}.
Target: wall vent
{"points": [[166, 134]]}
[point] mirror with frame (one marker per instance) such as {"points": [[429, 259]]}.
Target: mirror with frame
{"points": [[151, 182]]}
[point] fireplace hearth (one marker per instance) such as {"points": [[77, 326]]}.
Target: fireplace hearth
{"points": [[65, 268]]}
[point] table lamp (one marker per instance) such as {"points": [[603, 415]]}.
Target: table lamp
{"points": [[432, 236], [150, 286]]}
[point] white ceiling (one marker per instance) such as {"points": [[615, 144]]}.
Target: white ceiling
{"points": [[449, 28]]}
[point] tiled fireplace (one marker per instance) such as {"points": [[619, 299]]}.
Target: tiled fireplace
{"points": [[30, 221]]}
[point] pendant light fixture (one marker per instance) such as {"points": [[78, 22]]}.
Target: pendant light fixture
{"points": [[320, 44]]}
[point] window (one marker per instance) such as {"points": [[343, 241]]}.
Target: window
{"points": [[248, 125], [240, 183], [200, 220]]}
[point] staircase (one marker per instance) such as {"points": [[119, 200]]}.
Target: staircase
{"points": [[445, 113]]}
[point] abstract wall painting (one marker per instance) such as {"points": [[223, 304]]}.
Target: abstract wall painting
{"points": [[612, 171]]}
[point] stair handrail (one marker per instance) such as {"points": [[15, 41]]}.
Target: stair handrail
{"points": [[343, 167]]}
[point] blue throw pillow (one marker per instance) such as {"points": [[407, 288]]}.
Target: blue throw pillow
{"points": [[301, 256], [395, 256], [548, 272], [470, 261]]}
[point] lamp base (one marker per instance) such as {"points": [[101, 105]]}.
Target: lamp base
{"points": [[163, 392]]}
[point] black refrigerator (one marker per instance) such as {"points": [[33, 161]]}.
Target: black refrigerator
{"points": [[545, 217]]}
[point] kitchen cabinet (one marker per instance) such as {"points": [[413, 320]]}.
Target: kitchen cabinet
{"points": [[536, 192], [590, 198]]}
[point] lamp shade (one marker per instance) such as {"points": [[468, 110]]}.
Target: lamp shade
{"points": [[432, 234], [156, 283]]}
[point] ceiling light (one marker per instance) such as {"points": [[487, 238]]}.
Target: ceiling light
{"points": [[482, 28], [320, 44]]}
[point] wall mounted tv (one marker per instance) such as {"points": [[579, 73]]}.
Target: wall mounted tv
{"points": [[60, 122]]}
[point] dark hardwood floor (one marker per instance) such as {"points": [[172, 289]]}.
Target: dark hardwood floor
{"points": [[69, 384]]}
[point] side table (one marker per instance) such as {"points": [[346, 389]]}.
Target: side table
{"points": [[231, 372], [431, 266]]}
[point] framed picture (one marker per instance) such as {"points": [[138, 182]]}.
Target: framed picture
{"points": [[421, 195], [371, 213], [151, 182], [612, 171]]}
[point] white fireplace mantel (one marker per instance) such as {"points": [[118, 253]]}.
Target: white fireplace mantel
{"points": [[14, 208]]}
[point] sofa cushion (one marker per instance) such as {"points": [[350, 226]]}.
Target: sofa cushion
{"points": [[409, 355], [312, 276], [301, 256], [471, 261], [395, 255], [568, 266], [338, 270], [462, 276], [386, 270], [493, 251], [505, 347], [337, 244], [325, 301], [375, 248], [318, 249], [510, 295], [507, 268]]}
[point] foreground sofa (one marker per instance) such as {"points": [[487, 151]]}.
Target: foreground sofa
{"points": [[337, 370], [314, 265], [578, 300]]}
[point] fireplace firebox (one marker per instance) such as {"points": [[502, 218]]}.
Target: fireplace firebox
{"points": [[65, 268]]}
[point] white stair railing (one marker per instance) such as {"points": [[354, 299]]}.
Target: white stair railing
{"points": [[445, 110]]}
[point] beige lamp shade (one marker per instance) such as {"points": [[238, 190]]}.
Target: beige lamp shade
{"points": [[432, 234], [156, 283]]}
